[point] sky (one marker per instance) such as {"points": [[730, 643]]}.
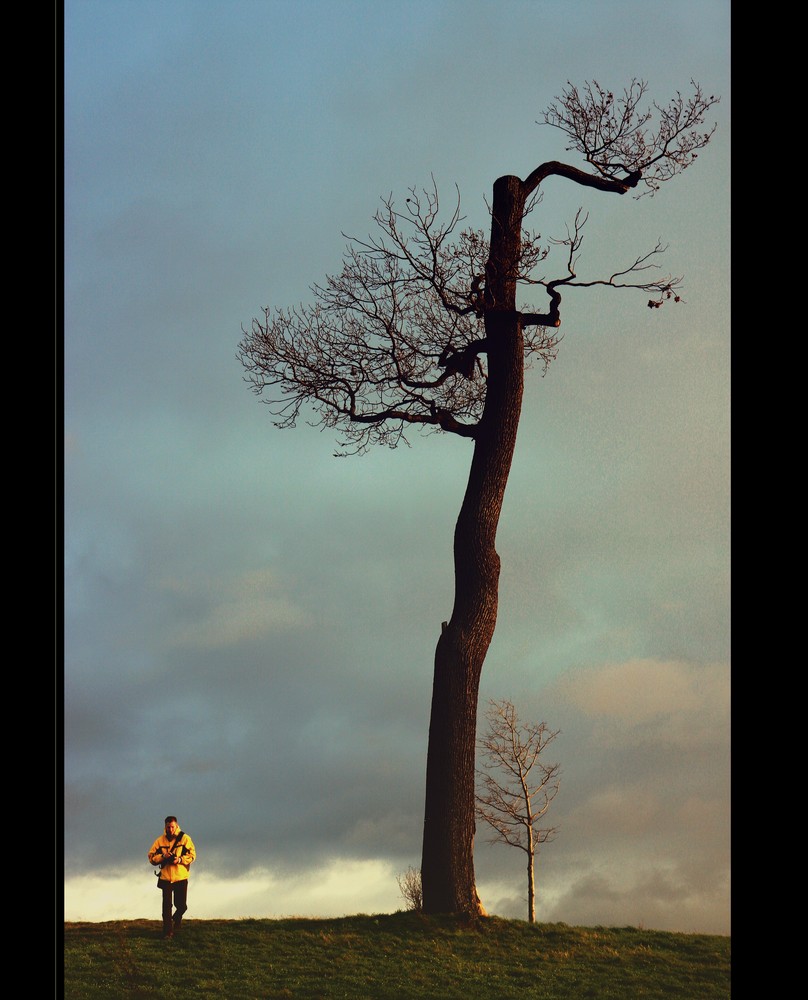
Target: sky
{"points": [[249, 622]]}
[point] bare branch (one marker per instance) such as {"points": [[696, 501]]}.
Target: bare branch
{"points": [[397, 339], [513, 805], [664, 289], [377, 352], [624, 142], [409, 885]]}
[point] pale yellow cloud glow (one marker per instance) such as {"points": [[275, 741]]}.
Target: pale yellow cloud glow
{"points": [[341, 888]]}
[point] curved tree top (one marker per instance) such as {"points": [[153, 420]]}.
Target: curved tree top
{"points": [[399, 337]]}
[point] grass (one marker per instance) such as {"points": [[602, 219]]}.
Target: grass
{"points": [[399, 956]]}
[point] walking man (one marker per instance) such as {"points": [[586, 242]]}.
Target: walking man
{"points": [[174, 853]]}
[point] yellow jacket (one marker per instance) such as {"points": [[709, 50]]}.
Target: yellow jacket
{"points": [[182, 849]]}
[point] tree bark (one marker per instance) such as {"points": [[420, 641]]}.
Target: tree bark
{"points": [[447, 864]]}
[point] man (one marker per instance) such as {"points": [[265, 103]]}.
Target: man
{"points": [[174, 852]]}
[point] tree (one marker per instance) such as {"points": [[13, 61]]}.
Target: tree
{"points": [[421, 330], [409, 885], [514, 805]]}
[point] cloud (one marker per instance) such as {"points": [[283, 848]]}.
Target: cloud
{"points": [[653, 895], [672, 702], [336, 888], [246, 607], [623, 810], [643, 808], [230, 623]]}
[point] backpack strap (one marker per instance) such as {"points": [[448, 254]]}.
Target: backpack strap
{"points": [[181, 847]]}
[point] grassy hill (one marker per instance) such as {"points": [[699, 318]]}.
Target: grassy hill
{"points": [[399, 956]]}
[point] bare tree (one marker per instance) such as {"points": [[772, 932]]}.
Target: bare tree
{"points": [[514, 805], [421, 330], [409, 885]]}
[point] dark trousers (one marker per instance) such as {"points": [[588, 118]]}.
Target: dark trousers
{"points": [[179, 890]]}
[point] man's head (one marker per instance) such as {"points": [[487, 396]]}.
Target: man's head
{"points": [[172, 826]]}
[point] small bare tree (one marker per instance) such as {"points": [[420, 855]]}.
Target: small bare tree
{"points": [[514, 805], [409, 885]]}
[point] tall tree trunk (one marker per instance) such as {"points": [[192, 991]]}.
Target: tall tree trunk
{"points": [[447, 863]]}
